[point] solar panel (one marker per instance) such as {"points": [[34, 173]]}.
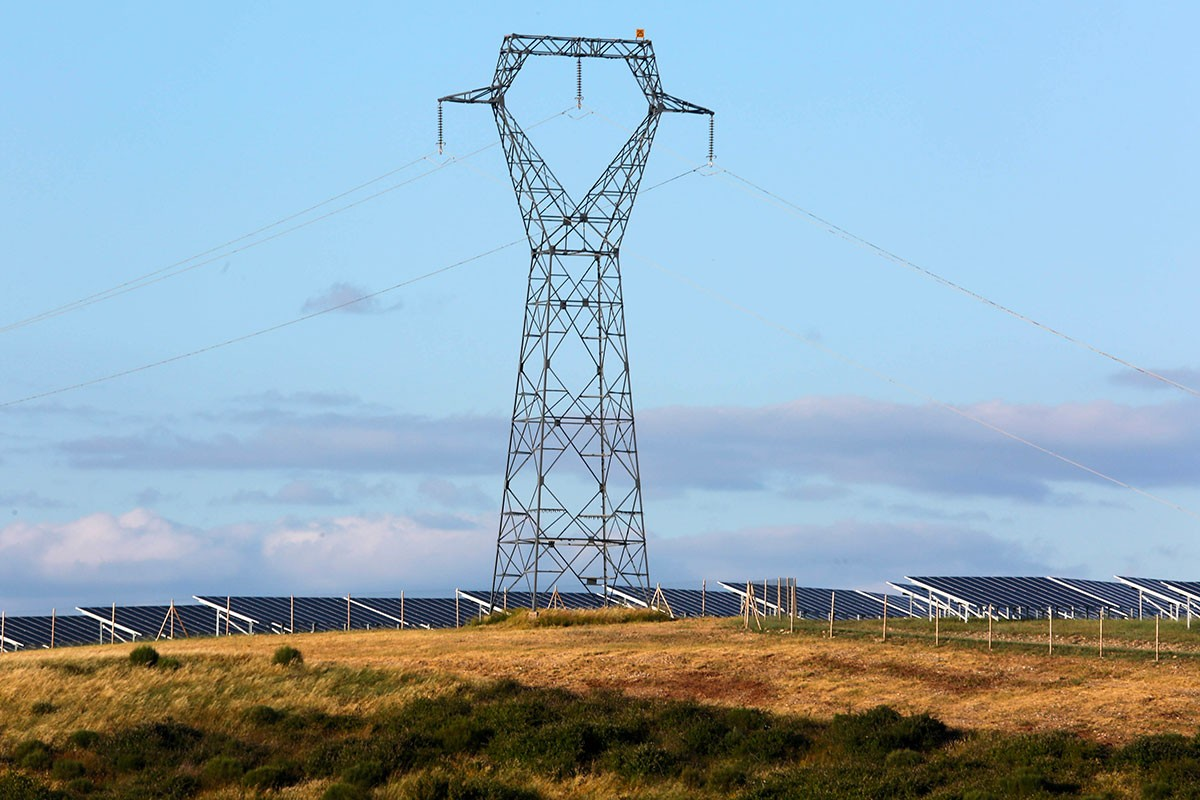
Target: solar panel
{"points": [[897, 605], [411, 612], [816, 603], [916, 597], [1015, 597], [515, 600], [1115, 595], [686, 602], [38, 632], [1189, 589], [129, 623], [1163, 594]]}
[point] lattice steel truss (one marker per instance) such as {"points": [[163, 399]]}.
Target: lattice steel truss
{"points": [[572, 504]]}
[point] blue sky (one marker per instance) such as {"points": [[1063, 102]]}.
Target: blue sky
{"points": [[1043, 156]]}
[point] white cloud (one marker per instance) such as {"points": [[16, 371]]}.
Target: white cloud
{"points": [[141, 556], [817, 442], [310, 493]]}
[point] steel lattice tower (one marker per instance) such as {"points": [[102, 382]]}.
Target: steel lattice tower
{"points": [[572, 502]]}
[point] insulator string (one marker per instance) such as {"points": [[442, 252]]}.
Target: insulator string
{"points": [[441, 141], [578, 82]]}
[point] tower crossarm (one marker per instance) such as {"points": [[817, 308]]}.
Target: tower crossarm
{"points": [[671, 103]]}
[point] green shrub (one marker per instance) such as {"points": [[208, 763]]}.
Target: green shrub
{"points": [[367, 774], [33, 754], [84, 739], [81, 786], [345, 791], [66, 769], [43, 707], [221, 770], [263, 715], [437, 786], [178, 787], [1149, 751], [129, 762], [287, 656], [163, 744], [14, 786], [143, 656], [883, 729], [170, 664], [642, 761], [271, 776], [903, 759]]}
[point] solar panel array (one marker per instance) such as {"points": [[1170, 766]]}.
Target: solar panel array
{"points": [[967, 596], [482, 601], [30, 633], [813, 603], [1039, 597]]}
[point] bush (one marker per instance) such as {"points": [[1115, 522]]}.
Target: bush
{"points": [[84, 739], [1148, 751], [287, 656], [22, 787], [143, 656], [642, 761], [222, 769], [163, 744], [67, 769], [169, 663], [437, 786], [33, 754], [367, 774], [179, 787], [43, 707], [263, 715], [345, 791], [81, 786], [271, 776], [883, 729]]}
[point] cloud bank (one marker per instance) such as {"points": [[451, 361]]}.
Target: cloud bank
{"points": [[141, 556], [822, 442]]}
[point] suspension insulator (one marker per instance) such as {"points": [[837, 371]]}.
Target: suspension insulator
{"points": [[441, 142], [578, 82]]}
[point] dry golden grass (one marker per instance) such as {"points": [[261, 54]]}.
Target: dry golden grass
{"points": [[710, 661]]}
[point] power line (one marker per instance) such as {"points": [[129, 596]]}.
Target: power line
{"points": [[134, 282], [854, 238], [257, 333], [811, 342], [227, 249], [237, 339], [904, 262]]}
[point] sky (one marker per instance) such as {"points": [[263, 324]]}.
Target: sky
{"points": [[805, 406]]}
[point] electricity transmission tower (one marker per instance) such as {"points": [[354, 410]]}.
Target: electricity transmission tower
{"points": [[572, 504]]}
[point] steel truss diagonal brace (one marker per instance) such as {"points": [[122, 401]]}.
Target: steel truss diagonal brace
{"points": [[572, 499]]}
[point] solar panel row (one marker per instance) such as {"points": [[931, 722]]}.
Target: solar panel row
{"points": [[1039, 597], [1008, 597], [813, 603]]}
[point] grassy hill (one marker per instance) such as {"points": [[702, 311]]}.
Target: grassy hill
{"points": [[685, 709]]}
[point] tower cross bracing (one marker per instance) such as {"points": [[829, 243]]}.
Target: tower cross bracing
{"points": [[572, 499]]}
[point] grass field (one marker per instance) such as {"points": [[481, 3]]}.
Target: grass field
{"points": [[552, 708]]}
